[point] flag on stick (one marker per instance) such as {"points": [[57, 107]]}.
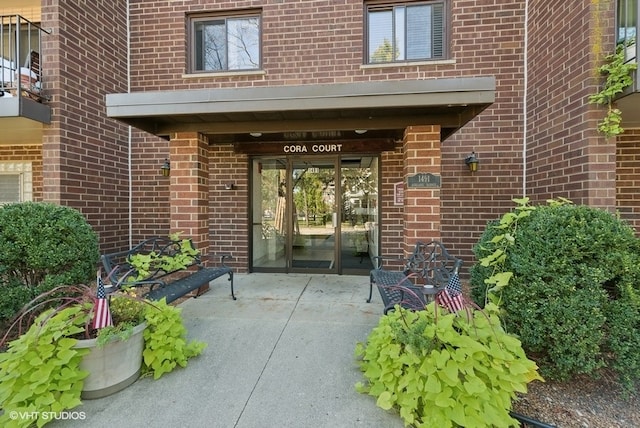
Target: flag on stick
{"points": [[451, 297], [102, 314]]}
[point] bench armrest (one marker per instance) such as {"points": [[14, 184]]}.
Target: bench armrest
{"points": [[222, 257], [378, 261]]}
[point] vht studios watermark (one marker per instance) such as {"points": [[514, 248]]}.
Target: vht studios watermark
{"points": [[47, 416]]}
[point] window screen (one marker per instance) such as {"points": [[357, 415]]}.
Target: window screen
{"points": [[9, 188], [405, 32]]}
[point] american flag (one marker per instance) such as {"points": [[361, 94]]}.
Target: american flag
{"points": [[451, 297], [102, 314]]}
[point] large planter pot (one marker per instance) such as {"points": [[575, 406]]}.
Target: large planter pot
{"points": [[113, 366]]}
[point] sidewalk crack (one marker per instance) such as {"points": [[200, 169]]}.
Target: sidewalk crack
{"points": [[275, 345]]}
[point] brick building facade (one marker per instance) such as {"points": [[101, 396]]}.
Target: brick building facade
{"points": [[536, 136]]}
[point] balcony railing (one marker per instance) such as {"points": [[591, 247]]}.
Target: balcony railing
{"points": [[20, 60]]}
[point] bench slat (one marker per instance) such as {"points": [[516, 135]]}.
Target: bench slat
{"points": [[180, 287], [118, 270], [393, 288]]}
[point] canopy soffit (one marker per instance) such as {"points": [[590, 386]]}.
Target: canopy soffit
{"points": [[333, 111]]}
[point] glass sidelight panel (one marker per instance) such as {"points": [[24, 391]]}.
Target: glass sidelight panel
{"points": [[269, 218], [314, 217], [359, 214]]}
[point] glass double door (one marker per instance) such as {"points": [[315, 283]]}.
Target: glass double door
{"points": [[314, 214]]}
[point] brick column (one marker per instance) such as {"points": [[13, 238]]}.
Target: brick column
{"points": [[421, 150], [189, 188]]}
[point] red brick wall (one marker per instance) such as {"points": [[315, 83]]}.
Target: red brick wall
{"points": [[401, 227], [27, 153], [628, 177], [229, 209], [84, 152], [421, 153], [566, 156], [320, 41], [189, 189], [150, 190], [306, 42], [487, 40], [391, 220]]}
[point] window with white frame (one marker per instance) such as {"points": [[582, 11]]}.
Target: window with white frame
{"points": [[15, 182], [225, 42], [402, 32]]}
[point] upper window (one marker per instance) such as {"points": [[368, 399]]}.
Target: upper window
{"points": [[225, 43], [406, 32], [627, 20]]}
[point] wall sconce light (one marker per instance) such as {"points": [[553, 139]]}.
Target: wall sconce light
{"points": [[361, 131], [255, 134], [229, 186], [472, 162], [165, 169]]}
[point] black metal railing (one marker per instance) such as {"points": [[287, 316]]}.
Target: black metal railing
{"points": [[20, 57]]}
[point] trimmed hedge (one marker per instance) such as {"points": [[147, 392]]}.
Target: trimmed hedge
{"points": [[574, 298], [42, 245]]}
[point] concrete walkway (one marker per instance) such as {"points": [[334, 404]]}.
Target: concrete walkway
{"points": [[282, 355]]}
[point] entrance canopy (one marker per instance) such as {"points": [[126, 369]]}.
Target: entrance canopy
{"points": [[333, 111]]}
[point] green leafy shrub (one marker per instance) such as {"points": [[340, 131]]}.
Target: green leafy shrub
{"points": [[442, 370], [13, 296], [43, 245], [165, 340], [572, 293], [617, 71], [623, 325], [179, 255], [40, 372]]}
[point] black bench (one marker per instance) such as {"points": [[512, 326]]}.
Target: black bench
{"points": [[163, 281], [425, 273]]}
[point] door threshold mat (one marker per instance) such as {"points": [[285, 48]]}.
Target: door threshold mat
{"points": [[315, 264]]}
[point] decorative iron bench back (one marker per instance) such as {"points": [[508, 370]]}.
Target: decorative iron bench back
{"points": [[117, 264], [433, 263]]}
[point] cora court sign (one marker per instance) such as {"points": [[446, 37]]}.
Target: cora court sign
{"points": [[312, 148]]}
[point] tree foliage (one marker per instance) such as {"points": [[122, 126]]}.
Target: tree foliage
{"points": [[385, 52]]}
